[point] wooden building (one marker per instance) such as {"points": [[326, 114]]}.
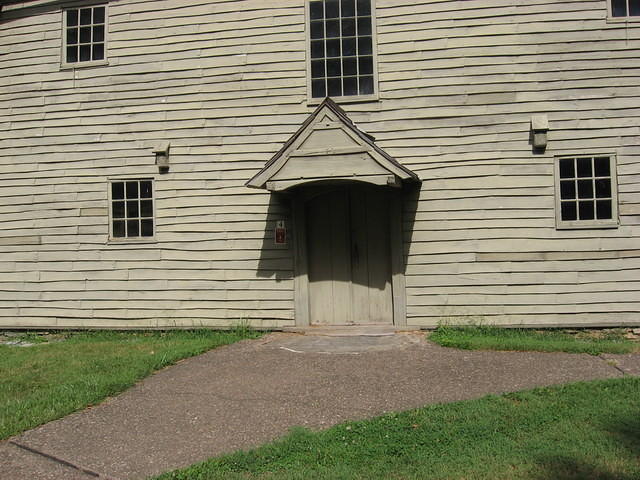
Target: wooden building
{"points": [[174, 163]]}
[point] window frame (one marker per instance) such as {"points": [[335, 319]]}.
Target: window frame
{"points": [[125, 239], [311, 100], [64, 65], [613, 222], [626, 18]]}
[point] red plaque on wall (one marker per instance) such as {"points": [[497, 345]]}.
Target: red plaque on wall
{"points": [[281, 233]]}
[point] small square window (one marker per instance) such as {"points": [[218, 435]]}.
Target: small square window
{"points": [[586, 192], [624, 9], [342, 43], [84, 35], [131, 209]]}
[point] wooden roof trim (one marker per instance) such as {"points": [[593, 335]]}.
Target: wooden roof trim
{"points": [[385, 160]]}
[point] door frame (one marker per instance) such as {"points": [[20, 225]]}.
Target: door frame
{"points": [[301, 275]]}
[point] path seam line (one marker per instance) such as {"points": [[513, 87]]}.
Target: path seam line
{"points": [[612, 363], [61, 461]]}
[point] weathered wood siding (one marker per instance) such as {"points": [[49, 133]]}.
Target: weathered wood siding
{"points": [[484, 246], [225, 83]]}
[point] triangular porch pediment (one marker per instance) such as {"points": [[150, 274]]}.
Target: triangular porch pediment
{"points": [[328, 146]]}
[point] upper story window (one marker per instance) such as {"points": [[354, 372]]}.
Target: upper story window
{"points": [[131, 209], [341, 39], [84, 34], [625, 8], [586, 192]]}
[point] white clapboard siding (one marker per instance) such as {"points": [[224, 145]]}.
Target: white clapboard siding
{"points": [[225, 83]]}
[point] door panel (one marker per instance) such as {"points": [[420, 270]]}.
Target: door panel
{"points": [[359, 256], [329, 259], [348, 257], [380, 308]]}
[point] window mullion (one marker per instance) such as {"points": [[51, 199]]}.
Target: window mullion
{"points": [[342, 50], [575, 183], [356, 12], [593, 188], [577, 202], [129, 218], [325, 45], [577, 209], [357, 35], [94, 49]]}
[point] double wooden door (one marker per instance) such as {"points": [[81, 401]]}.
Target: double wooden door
{"points": [[348, 254]]}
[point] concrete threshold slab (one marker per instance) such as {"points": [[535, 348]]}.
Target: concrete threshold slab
{"points": [[341, 344], [359, 330]]}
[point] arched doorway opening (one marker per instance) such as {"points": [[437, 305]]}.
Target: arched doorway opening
{"points": [[349, 255]]}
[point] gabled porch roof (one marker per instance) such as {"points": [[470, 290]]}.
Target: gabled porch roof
{"points": [[329, 146]]}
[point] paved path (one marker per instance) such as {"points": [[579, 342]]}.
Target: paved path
{"points": [[251, 392]]}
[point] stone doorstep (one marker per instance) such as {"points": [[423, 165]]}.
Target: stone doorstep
{"points": [[349, 330]]}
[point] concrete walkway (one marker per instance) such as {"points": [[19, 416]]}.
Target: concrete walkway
{"points": [[245, 394]]}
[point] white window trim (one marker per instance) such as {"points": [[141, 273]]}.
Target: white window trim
{"points": [[585, 224], [349, 98], [64, 65], [625, 19], [121, 240]]}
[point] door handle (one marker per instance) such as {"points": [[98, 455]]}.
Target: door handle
{"points": [[355, 254]]}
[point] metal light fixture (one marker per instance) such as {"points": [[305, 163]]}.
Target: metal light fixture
{"points": [[162, 156], [539, 129]]}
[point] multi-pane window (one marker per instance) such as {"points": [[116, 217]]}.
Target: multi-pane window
{"points": [[85, 34], [131, 209], [341, 43], [586, 189], [625, 8]]}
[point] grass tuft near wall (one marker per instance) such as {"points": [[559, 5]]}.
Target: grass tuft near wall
{"points": [[495, 338]]}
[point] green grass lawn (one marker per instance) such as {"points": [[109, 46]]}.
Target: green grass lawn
{"points": [[496, 338], [77, 369], [587, 431]]}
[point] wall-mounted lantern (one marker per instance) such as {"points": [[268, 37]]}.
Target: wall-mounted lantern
{"points": [[539, 129], [162, 156]]}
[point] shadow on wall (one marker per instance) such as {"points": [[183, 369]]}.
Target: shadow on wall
{"points": [[410, 198], [276, 260]]}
